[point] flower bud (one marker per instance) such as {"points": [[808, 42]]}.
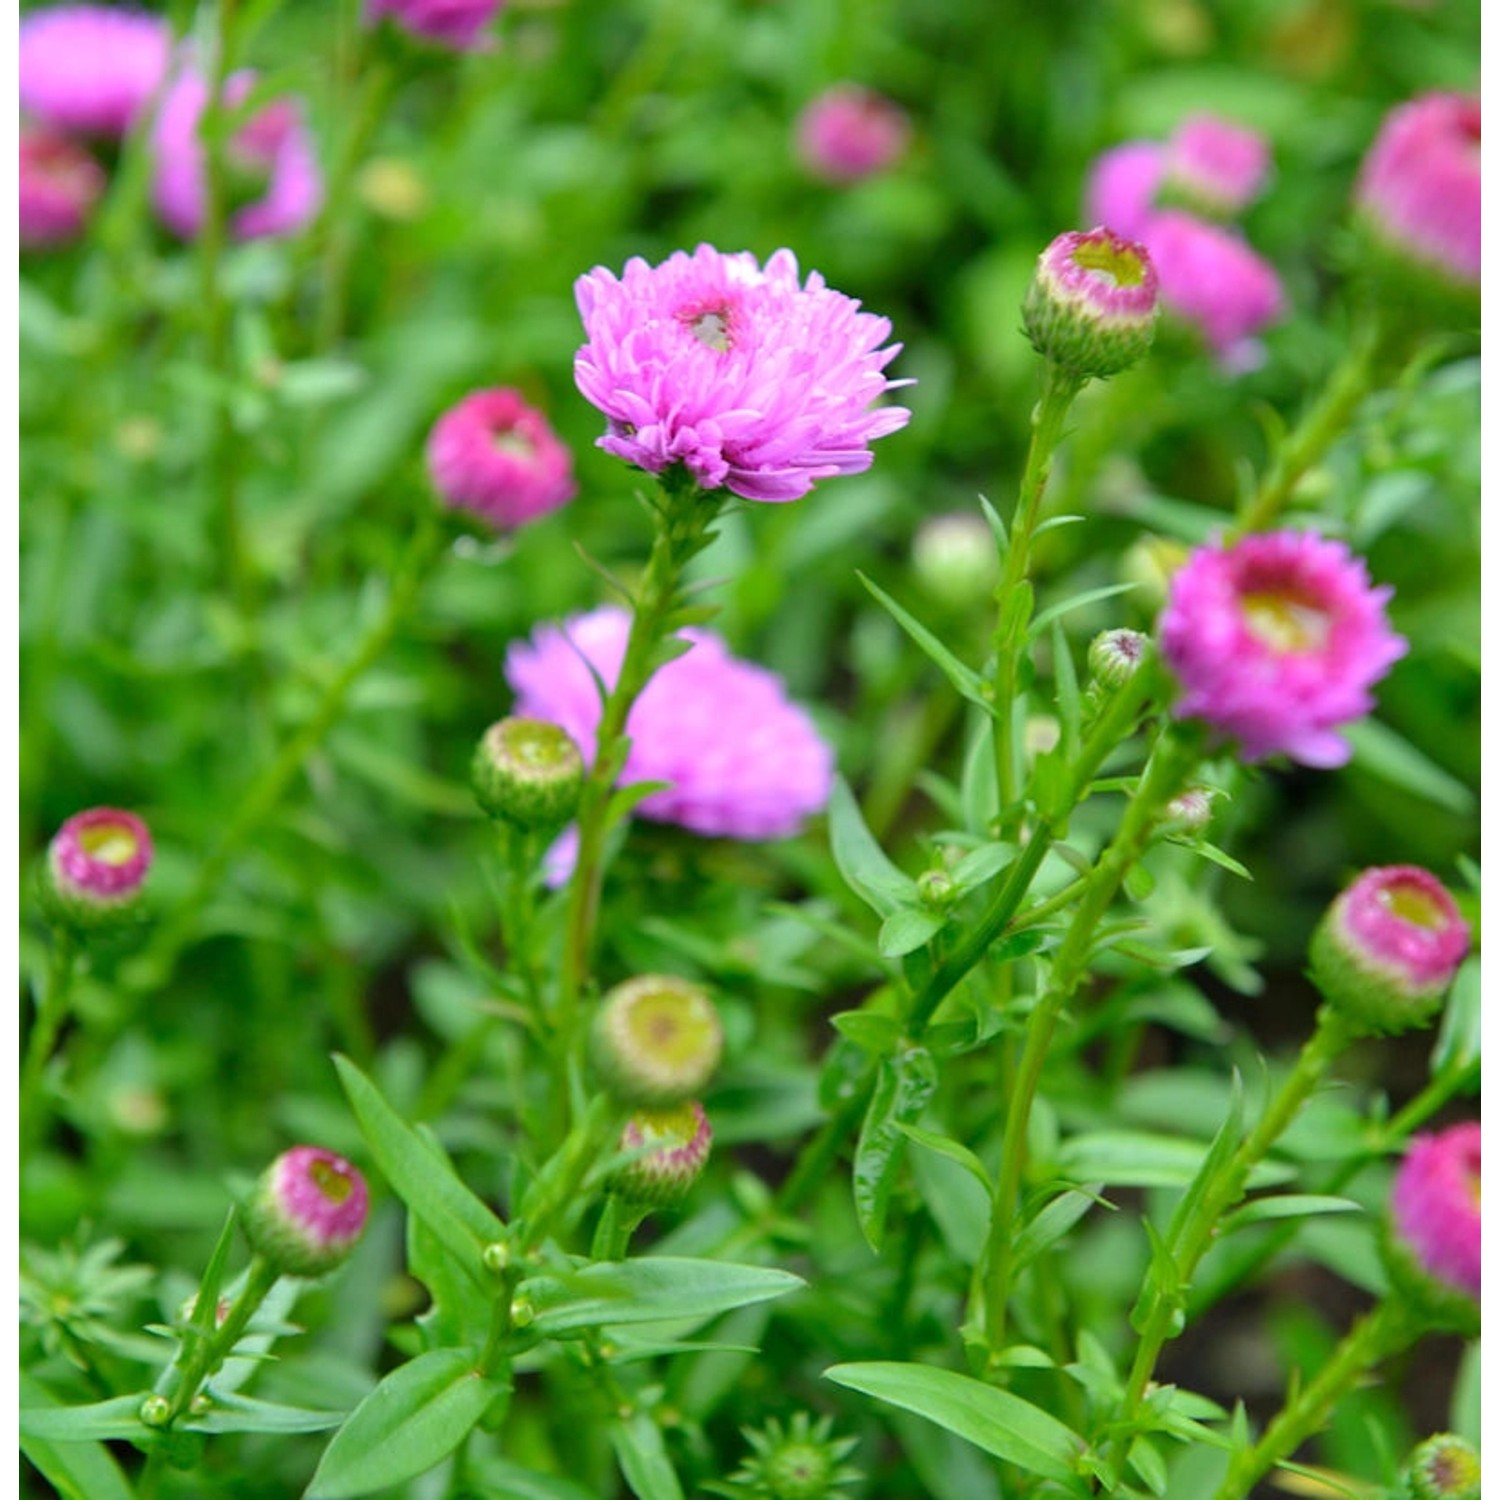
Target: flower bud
{"points": [[96, 869], [656, 1041], [674, 1143], [1388, 948], [1091, 307], [307, 1211], [59, 185], [955, 560], [1445, 1467], [937, 889], [799, 1462], [1114, 656], [528, 773], [1189, 813], [1431, 1240], [1149, 564]]}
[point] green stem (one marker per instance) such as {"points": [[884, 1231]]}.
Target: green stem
{"points": [[617, 1222], [557, 1184], [211, 1352], [52, 1011], [1013, 595], [1384, 1330]]}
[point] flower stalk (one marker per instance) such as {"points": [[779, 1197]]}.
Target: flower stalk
{"points": [[52, 1011]]}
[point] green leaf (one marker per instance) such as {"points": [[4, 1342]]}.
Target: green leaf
{"points": [[652, 1289], [119, 1417], [246, 1414], [643, 1458], [412, 1420], [877, 1034], [903, 1086], [1459, 1034], [1286, 1206], [907, 929], [1052, 1222], [77, 1469], [966, 681], [1069, 708], [1065, 606], [504, 1480], [422, 1177], [1128, 1158], [951, 1149], [864, 865], [1000, 1423], [1148, 1463], [1382, 752]]}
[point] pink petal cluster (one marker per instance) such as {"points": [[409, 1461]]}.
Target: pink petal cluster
{"points": [[272, 148], [1276, 642], [750, 379], [849, 132], [740, 759], [495, 455], [1210, 276], [90, 68], [59, 186], [1435, 1205], [101, 856], [1400, 922], [1419, 186], [459, 24]]}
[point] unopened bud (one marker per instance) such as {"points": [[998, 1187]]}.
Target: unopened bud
{"points": [[522, 1313], [955, 560], [1188, 813], [674, 1145], [528, 772], [307, 1211], [1115, 656], [656, 1040], [802, 1461], [936, 888], [96, 871], [1445, 1467], [496, 1256], [155, 1410]]}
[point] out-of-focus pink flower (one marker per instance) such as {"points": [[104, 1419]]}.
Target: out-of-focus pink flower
{"points": [[90, 68], [459, 24], [1122, 186], [1419, 187], [1212, 279], [271, 155], [750, 379], [849, 132], [741, 760], [1435, 1205], [102, 856], [1276, 642], [495, 455], [1218, 166], [59, 186]]}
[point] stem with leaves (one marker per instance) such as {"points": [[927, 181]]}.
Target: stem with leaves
{"points": [[52, 1011]]}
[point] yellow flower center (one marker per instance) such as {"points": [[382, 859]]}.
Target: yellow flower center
{"points": [[1413, 905], [1284, 622], [334, 1185], [109, 843], [1116, 265], [711, 329]]}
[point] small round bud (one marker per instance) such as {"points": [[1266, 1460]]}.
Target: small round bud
{"points": [[936, 888], [1115, 656], [528, 772], [1189, 813], [1388, 948], [656, 1040], [522, 1313], [200, 1405], [674, 1143], [1431, 1239], [1445, 1467], [955, 560], [96, 869], [155, 1410], [307, 1211], [1091, 307], [496, 1257], [799, 1462]]}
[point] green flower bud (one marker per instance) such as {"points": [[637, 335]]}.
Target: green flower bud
{"points": [[674, 1145], [1445, 1467], [528, 773], [1115, 656], [307, 1211], [656, 1041], [799, 1462]]}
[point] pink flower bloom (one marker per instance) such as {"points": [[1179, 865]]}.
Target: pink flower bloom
{"points": [[849, 132], [272, 153], [1402, 922], [1091, 307], [90, 68], [494, 454], [459, 24], [1213, 280], [101, 856], [1419, 185], [1435, 1205], [740, 759], [59, 186], [1219, 166], [744, 375], [1276, 642], [1122, 186], [308, 1210]]}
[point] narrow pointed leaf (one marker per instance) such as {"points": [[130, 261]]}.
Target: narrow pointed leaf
{"points": [[966, 681], [905, 1083], [864, 865]]}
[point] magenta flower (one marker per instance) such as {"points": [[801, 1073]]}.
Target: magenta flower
{"points": [[849, 132], [97, 865], [1419, 186], [1091, 306], [59, 185], [1219, 167], [270, 157], [741, 373], [308, 1210], [90, 68], [1122, 186], [1276, 642], [459, 24], [495, 455], [740, 759], [1435, 1205]]}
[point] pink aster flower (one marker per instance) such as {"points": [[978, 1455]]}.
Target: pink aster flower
{"points": [[97, 865], [849, 132], [495, 455], [459, 24], [90, 68], [270, 156], [59, 186], [1419, 186], [740, 759], [1276, 642], [1435, 1205], [1122, 186], [308, 1210], [743, 374], [1211, 279], [1216, 165]]}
